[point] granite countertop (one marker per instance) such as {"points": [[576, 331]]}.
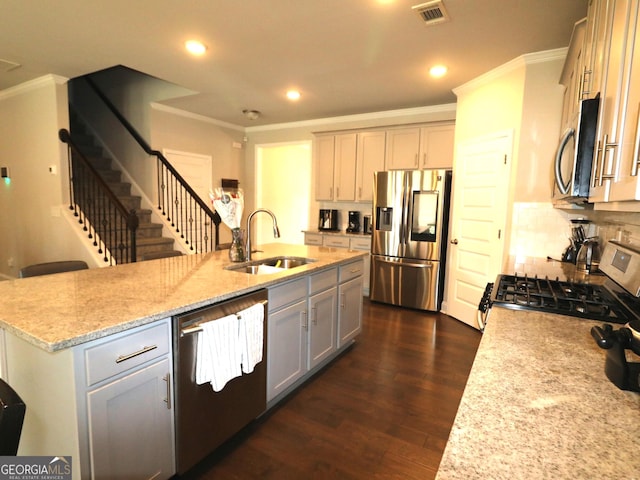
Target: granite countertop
{"points": [[538, 404], [59, 311]]}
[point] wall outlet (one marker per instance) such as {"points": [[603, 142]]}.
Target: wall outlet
{"points": [[53, 170], [11, 262]]}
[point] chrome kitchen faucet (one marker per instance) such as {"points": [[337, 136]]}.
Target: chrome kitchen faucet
{"points": [[276, 230]]}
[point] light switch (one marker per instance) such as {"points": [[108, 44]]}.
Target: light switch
{"points": [[53, 170], [4, 172]]}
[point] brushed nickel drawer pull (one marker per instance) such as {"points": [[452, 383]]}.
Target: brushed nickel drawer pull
{"points": [[142, 351], [167, 378]]}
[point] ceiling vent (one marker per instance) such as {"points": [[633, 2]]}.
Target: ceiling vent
{"points": [[7, 66], [432, 13]]}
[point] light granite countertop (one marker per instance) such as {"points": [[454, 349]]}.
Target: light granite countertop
{"points": [[538, 404], [59, 311]]}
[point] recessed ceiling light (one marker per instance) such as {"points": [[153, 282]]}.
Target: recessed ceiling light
{"points": [[438, 71], [195, 47], [293, 95]]}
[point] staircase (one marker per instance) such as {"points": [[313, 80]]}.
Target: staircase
{"points": [[150, 243]]}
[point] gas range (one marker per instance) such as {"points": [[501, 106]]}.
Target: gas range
{"points": [[616, 301], [593, 302]]}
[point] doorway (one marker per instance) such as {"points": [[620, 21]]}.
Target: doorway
{"points": [[283, 185]]}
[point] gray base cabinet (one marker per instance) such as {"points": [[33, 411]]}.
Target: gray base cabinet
{"points": [[308, 326], [126, 402]]}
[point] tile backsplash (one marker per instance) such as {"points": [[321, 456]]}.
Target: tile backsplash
{"points": [[540, 230]]}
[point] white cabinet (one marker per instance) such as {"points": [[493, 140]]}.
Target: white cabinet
{"points": [[344, 167], [125, 396], [338, 241], [572, 77], [323, 148], [350, 298], [312, 238], [625, 184], [420, 147], [613, 90], [345, 164], [369, 159]]}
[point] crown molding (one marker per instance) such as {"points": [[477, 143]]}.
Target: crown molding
{"points": [[518, 62], [195, 116], [46, 80]]}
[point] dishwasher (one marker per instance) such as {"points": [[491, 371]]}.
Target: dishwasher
{"points": [[205, 419]]}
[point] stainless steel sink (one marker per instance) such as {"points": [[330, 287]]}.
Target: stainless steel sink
{"points": [[270, 265]]}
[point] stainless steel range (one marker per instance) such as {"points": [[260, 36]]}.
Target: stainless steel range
{"points": [[616, 301]]}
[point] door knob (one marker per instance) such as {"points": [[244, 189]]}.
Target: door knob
{"points": [[454, 241]]}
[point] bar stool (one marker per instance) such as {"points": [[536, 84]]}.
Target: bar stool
{"points": [[12, 410], [52, 267]]}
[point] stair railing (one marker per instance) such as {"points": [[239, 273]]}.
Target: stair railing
{"points": [[103, 216], [183, 208]]}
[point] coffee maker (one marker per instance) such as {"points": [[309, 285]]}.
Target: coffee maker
{"points": [[354, 222]]}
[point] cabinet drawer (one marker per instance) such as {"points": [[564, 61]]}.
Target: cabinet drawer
{"points": [[350, 270], [323, 280], [334, 241], [313, 239], [360, 243], [287, 293], [127, 351]]}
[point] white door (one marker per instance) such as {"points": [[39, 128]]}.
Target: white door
{"points": [[283, 184], [480, 194]]}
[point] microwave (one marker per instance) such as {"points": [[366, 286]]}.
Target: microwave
{"points": [[574, 156]]}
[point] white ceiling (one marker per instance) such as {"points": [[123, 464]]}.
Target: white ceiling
{"points": [[345, 56]]}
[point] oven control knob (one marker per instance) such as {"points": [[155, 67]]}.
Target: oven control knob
{"points": [[603, 336]]}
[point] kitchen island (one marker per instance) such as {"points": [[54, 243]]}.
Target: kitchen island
{"points": [[60, 333], [537, 404]]}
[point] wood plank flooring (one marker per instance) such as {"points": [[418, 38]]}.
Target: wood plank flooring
{"points": [[383, 410]]}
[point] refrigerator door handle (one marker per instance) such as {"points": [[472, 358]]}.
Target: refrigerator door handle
{"points": [[407, 264]]}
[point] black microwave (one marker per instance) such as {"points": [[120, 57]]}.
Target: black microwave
{"points": [[574, 156]]}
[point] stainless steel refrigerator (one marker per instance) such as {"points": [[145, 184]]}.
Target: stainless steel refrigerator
{"points": [[409, 237]]}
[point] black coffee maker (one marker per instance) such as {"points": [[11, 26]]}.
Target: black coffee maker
{"points": [[354, 222]]}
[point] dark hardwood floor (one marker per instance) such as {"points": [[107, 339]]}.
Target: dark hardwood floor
{"points": [[383, 409]]}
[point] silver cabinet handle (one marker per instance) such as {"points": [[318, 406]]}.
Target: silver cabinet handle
{"points": [[167, 378], [142, 351], [342, 302], [305, 322], [314, 315]]}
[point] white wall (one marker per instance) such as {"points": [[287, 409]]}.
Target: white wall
{"points": [[525, 96], [33, 207]]}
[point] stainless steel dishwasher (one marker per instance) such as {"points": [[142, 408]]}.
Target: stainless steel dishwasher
{"points": [[205, 419]]}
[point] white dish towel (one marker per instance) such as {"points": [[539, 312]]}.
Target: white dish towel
{"points": [[251, 336], [218, 352]]}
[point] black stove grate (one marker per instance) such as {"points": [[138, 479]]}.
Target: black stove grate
{"points": [[593, 302]]}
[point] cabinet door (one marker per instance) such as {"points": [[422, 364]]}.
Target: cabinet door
{"points": [[626, 185], [594, 47], [323, 312], [436, 146], [130, 426], [611, 116], [345, 167], [349, 310], [370, 158], [287, 347], [402, 148], [324, 152]]}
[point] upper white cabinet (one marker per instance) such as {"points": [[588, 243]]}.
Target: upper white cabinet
{"points": [[420, 147], [572, 77], [345, 164], [369, 159], [344, 167], [614, 173], [625, 184], [323, 147]]}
